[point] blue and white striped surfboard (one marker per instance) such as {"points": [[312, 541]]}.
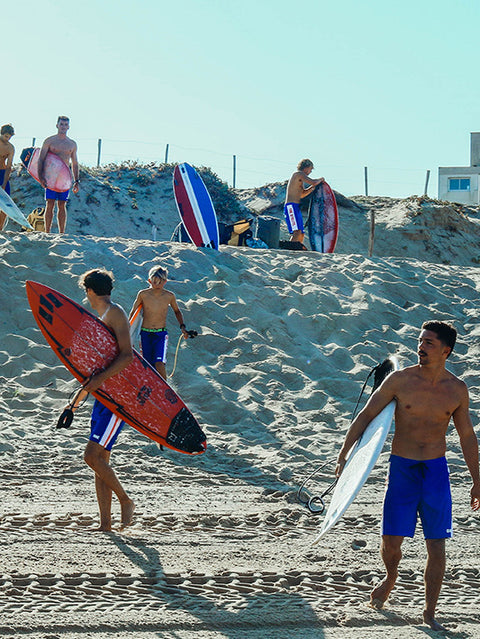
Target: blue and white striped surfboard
{"points": [[195, 206]]}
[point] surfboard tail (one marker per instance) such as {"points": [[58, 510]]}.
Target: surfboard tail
{"points": [[185, 434]]}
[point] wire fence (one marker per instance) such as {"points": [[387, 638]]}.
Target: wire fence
{"points": [[244, 172]]}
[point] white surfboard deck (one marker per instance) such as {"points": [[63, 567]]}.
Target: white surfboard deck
{"points": [[359, 465], [8, 206], [136, 326]]}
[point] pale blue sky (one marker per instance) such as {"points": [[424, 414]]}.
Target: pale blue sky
{"points": [[391, 86]]}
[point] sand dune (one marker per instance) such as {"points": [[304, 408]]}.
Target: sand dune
{"points": [[220, 547]]}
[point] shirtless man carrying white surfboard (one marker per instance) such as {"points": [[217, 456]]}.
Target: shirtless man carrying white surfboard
{"points": [[427, 396], [66, 149]]}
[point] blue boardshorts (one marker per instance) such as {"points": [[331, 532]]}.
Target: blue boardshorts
{"points": [[418, 488], [7, 185], [154, 345], [293, 217], [105, 427], [55, 195]]}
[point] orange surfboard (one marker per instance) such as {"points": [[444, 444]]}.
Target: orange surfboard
{"points": [[138, 394]]}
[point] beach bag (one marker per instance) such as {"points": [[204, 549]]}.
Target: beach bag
{"points": [[37, 219], [240, 233]]}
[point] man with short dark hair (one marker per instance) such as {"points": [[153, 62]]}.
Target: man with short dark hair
{"points": [[7, 151], [427, 397], [296, 191], [66, 149], [105, 426]]}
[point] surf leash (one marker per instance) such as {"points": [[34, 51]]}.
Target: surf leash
{"points": [[191, 335], [311, 501], [175, 233], [79, 398], [380, 372], [66, 418]]}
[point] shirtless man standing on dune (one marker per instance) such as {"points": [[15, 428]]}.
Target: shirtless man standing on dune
{"points": [[7, 151], [296, 191], [427, 396], [66, 149]]}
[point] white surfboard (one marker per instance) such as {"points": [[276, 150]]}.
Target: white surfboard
{"points": [[136, 325], [359, 465], [8, 206]]}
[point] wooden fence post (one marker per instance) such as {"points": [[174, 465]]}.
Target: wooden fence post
{"points": [[372, 233]]}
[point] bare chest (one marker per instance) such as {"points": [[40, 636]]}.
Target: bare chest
{"points": [[427, 406]]}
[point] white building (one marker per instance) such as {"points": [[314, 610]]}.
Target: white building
{"points": [[461, 183]]}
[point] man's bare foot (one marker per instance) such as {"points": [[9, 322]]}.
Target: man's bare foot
{"points": [[430, 621], [380, 593], [128, 508], [103, 528]]}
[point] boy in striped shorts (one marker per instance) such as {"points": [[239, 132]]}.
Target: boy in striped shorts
{"points": [[296, 191]]}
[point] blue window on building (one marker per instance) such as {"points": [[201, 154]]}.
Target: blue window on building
{"points": [[459, 184]]}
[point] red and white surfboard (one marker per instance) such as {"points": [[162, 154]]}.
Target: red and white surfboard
{"points": [[138, 394]]}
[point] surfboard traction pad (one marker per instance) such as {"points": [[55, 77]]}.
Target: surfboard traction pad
{"points": [[184, 433], [381, 371], [26, 156]]}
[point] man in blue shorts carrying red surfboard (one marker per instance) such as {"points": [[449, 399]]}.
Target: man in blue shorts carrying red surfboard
{"points": [[427, 397], [296, 191], [105, 426]]}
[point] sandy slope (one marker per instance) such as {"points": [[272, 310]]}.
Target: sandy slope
{"points": [[220, 547], [131, 199]]}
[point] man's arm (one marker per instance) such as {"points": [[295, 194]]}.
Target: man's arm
{"points": [[75, 171], [469, 444], [8, 168], [376, 403], [178, 315], [41, 160], [313, 184], [117, 320]]}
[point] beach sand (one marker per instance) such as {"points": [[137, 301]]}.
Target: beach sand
{"points": [[220, 546]]}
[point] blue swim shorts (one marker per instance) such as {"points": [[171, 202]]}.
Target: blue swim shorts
{"points": [[418, 488], [104, 426], [293, 217], [56, 195], [154, 345], [7, 185]]}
